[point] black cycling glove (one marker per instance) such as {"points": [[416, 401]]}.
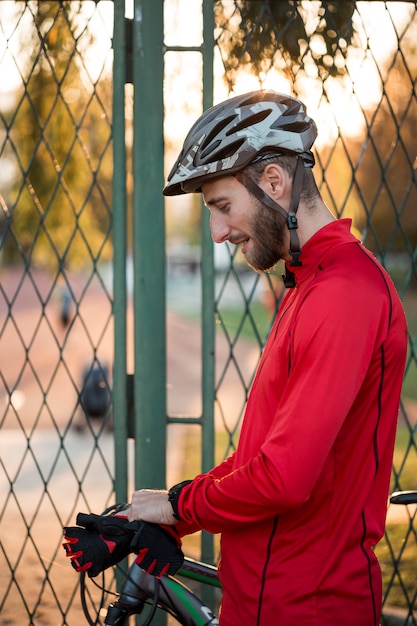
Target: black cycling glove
{"points": [[100, 541], [158, 549]]}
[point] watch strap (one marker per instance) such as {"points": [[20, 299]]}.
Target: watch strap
{"points": [[174, 494]]}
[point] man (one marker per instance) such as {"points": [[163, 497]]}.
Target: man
{"points": [[301, 504]]}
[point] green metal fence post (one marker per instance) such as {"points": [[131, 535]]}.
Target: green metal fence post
{"points": [[149, 244], [119, 259], [208, 292]]}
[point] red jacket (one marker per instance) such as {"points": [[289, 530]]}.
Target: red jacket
{"points": [[302, 502]]}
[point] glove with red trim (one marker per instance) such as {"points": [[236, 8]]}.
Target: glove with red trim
{"points": [[99, 541], [158, 549]]}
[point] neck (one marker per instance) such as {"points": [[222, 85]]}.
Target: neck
{"points": [[312, 219]]}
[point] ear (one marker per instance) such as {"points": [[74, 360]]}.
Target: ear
{"points": [[273, 180]]}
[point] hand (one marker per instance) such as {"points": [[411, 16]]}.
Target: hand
{"points": [[153, 506], [100, 541]]}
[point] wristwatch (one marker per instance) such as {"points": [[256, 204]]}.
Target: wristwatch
{"points": [[174, 494]]}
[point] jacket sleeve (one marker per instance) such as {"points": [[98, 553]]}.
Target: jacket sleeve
{"points": [[334, 340]]}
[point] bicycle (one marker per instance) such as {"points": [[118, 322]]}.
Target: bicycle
{"points": [[168, 593], [171, 595]]}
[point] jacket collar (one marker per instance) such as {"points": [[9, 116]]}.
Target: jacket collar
{"points": [[325, 239]]}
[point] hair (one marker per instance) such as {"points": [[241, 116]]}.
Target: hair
{"points": [[309, 192]]}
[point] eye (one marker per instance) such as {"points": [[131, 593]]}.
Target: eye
{"points": [[224, 208]]}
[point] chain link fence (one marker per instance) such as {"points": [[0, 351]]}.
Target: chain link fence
{"points": [[355, 66], [56, 337]]}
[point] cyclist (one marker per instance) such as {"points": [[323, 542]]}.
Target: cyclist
{"points": [[301, 504]]}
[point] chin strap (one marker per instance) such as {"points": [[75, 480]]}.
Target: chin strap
{"points": [[290, 217]]}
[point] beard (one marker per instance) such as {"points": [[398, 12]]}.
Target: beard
{"points": [[268, 237]]}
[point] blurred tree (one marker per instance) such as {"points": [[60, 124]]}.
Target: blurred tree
{"points": [[386, 170], [261, 34], [371, 177], [58, 145]]}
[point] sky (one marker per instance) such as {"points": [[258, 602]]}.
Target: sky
{"points": [[338, 105]]}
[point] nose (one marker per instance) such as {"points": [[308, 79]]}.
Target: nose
{"points": [[218, 227]]}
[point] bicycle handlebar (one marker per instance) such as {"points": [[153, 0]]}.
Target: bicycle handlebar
{"points": [[404, 497], [137, 588], [141, 588]]}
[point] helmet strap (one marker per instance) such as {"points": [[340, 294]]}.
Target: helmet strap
{"points": [[290, 217], [292, 222]]}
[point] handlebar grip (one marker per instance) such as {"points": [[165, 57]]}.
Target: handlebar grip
{"points": [[404, 497]]}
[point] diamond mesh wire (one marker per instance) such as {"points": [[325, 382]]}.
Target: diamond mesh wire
{"points": [[56, 303], [354, 65], [55, 297]]}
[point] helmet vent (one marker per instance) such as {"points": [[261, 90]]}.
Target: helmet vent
{"points": [[210, 142], [294, 127], [227, 151], [249, 121], [210, 148]]}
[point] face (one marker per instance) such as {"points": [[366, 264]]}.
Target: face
{"points": [[236, 216]]}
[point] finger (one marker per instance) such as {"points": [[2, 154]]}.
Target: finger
{"points": [[141, 555], [133, 514], [81, 568], [164, 570], [152, 566], [75, 555], [68, 547], [87, 520], [70, 540]]}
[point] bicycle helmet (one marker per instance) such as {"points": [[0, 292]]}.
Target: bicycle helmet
{"points": [[232, 134], [240, 131]]}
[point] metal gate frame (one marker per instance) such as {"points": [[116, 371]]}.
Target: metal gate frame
{"points": [[139, 398]]}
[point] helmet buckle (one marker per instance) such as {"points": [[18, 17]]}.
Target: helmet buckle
{"points": [[292, 222]]}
